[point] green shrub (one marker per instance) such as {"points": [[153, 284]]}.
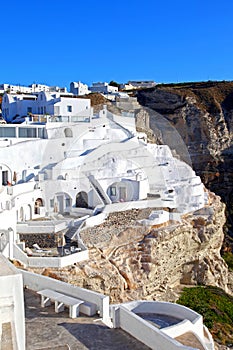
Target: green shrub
{"points": [[228, 257], [215, 306]]}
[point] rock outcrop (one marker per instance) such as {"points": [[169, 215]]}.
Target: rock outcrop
{"points": [[129, 261]]}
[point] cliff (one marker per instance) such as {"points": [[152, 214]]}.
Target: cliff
{"points": [[129, 261], [202, 114]]}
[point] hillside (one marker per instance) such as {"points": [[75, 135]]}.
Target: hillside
{"points": [[215, 306]]}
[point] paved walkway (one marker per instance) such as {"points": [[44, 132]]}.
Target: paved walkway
{"points": [[45, 329]]}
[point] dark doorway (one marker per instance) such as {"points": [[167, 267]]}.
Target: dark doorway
{"points": [[82, 200], [38, 204], [4, 178]]}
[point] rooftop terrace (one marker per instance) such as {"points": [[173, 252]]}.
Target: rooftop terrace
{"points": [[45, 330]]}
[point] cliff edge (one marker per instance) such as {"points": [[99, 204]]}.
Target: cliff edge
{"points": [[128, 261]]}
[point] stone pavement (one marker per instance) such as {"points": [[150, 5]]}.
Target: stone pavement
{"points": [[45, 329]]}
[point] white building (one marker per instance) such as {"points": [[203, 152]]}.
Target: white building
{"points": [[142, 83], [44, 103], [100, 160], [78, 88], [103, 88], [33, 88], [40, 87], [85, 163], [17, 105], [137, 84], [13, 89]]}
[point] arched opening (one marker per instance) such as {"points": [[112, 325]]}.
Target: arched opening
{"points": [[123, 191], [68, 132], [62, 202], [38, 204], [82, 200]]}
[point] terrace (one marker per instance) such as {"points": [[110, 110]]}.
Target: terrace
{"points": [[45, 329]]}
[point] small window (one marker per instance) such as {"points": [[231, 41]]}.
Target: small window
{"points": [[69, 108], [112, 191], [51, 203]]}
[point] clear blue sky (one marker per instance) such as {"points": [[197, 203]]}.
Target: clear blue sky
{"points": [[56, 42]]}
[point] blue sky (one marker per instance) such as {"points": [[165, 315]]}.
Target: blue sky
{"points": [[56, 42]]}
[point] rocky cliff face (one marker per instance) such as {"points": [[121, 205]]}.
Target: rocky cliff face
{"points": [[129, 261], [202, 113]]}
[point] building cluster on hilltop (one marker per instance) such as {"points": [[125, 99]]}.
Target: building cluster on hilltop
{"points": [[77, 88], [20, 101], [86, 160]]}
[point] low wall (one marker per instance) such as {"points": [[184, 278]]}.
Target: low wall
{"points": [[164, 308], [38, 282], [81, 211], [19, 255], [47, 261], [12, 301], [153, 203], [41, 227], [144, 331], [178, 329], [191, 321], [95, 220], [57, 262]]}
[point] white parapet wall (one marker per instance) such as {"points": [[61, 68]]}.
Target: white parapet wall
{"points": [[95, 220], [164, 308], [49, 261], [190, 321], [144, 331], [12, 302], [42, 226], [38, 282]]}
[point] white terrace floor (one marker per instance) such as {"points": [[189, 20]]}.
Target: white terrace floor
{"points": [[47, 330]]}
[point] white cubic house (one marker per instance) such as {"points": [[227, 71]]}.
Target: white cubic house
{"points": [[44, 103], [103, 88], [78, 88]]}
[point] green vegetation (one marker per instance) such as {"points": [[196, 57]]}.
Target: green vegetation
{"points": [[228, 257], [215, 306], [114, 83]]}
